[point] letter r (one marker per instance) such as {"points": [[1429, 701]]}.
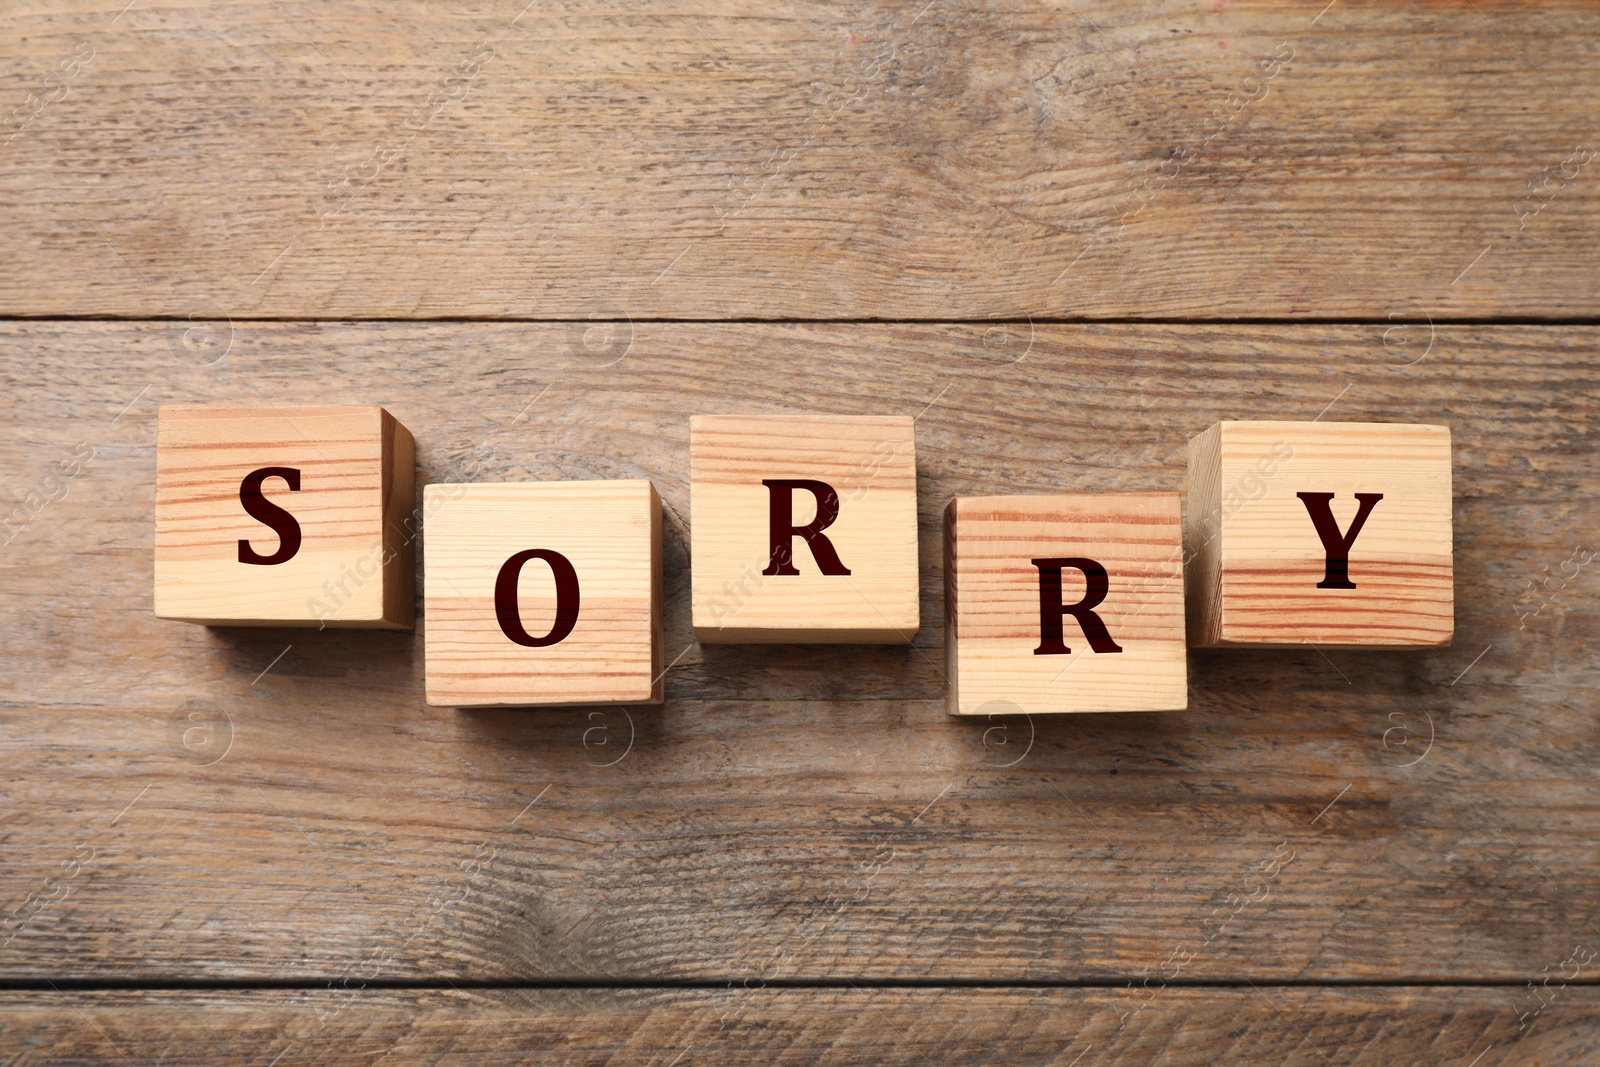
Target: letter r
{"points": [[1051, 609], [782, 529]]}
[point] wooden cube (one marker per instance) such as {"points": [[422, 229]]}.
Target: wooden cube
{"points": [[542, 593], [284, 516], [804, 529], [1065, 603], [1334, 534]]}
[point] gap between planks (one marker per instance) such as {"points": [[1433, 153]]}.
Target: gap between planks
{"points": [[747, 320], [84, 985]]}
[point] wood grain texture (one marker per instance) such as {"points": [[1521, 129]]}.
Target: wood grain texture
{"points": [[170, 810], [605, 534], [1295, 1027], [848, 159], [995, 604], [352, 563], [1259, 566], [865, 469]]}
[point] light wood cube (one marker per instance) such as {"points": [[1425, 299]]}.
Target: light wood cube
{"points": [[542, 593], [1065, 603], [804, 529], [1334, 534], [284, 516]]}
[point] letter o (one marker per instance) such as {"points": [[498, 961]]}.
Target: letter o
{"points": [[505, 597]]}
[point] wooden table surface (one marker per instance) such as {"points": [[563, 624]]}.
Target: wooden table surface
{"points": [[1065, 237]]}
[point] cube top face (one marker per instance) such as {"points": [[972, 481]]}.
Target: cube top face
{"points": [[541, 593], [284, 516], [1330, 534], [804, 529], [1017, 566]]}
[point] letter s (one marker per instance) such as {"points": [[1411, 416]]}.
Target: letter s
{"points": [[270, 514]]}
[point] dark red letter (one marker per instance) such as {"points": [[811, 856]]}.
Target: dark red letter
{"points": [[505, 597], [783, 530], [265, 511], [1335, 544], [1051, 609]]}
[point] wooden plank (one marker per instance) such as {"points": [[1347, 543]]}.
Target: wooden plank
{"points": [[838, 160], [1067, 1027], [219, 804]]}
